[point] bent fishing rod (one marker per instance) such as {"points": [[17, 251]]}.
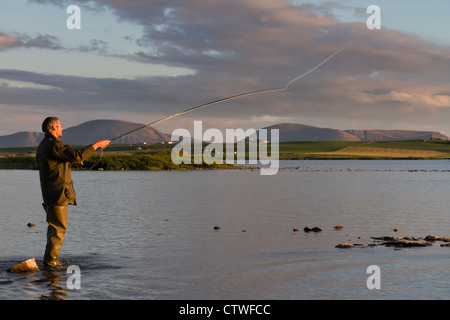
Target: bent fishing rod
{"points": [[285, 88]]}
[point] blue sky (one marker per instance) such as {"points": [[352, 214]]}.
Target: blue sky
{"points": [[143, 60]]}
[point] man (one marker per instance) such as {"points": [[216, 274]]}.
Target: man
{"points": [[54, 158]]}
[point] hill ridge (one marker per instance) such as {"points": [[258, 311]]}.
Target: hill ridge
{"points": [[94, 130], [301, 132]]}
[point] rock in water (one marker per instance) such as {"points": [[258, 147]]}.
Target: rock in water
{"points": [[344, 245], [436, 238], [406, 243], [25, 266]]}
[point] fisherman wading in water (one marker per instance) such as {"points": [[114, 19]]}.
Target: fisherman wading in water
{"points": [[54, 158]]}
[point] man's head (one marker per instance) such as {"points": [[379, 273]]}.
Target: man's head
{"points": [[53, 126]]}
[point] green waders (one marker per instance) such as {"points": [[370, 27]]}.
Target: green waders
{"points": [[57, 225]]}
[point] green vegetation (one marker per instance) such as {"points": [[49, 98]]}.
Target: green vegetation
{"points": [[158, 156], [18, 162], [160, 160], [306, 149], [410, 149], [116, 158]]}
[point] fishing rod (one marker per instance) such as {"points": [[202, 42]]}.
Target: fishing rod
{"points": [[197, 107], [285, 88]]}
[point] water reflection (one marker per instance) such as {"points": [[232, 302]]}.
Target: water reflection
{"points": [[55, 282], [158, 227]]}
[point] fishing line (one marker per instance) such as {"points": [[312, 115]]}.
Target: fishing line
{"points": [[285, 88]]}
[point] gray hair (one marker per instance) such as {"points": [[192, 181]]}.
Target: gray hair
{"points": [[49, 123]]}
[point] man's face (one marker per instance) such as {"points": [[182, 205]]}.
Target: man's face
{"points": [[58, 129]]}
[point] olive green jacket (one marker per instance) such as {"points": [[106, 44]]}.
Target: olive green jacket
{"points": [[54, 158]]}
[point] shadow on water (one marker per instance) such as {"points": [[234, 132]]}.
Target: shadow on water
{"points": [[46, 283]]}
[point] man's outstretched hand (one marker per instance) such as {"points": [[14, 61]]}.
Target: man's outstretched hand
{"points": [[101, 144]]}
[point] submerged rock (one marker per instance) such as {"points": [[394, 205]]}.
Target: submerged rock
{"points": [[401, 242], [25, 266], [436, 238], [386, 238], [30, 224], [315, 229], [406, 243], [344, 245]]}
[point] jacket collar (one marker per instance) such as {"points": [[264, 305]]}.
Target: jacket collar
{"points": [[50, 136]]}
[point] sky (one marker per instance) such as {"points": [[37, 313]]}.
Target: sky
{"points": [[140, 61]]}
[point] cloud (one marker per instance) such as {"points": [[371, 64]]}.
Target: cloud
{"points": [[325, 9], [24, 41], [95, 45], [433, 100], [8, 41], [236, 46]]}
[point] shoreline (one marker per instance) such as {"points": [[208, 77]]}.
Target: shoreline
{"points": [[19, 166], [158, 156]]}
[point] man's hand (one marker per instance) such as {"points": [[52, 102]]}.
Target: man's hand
{"points": [[101, 144]]}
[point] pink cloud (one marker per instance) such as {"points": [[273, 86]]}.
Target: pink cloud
{"points": [[7, 41]]}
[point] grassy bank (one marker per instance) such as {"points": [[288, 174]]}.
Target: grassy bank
{"points": [[18, 162], [144, 161], [158, 156], [113, 160], [411, 149]]}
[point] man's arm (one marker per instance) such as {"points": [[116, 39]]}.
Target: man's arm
{"points": [[70, 154]]}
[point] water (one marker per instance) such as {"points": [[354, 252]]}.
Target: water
{"points": [[150, 235]]}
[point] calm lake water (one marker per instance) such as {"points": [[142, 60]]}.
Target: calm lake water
{"points": [[150, 235]]}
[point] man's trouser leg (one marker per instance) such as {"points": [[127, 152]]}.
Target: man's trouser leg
{"points": [[57, 225]]}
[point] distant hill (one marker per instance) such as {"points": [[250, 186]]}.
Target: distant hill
{"points": [[21, 139], [89, 132], [301, 132], [92, 131], [383, 135]]}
